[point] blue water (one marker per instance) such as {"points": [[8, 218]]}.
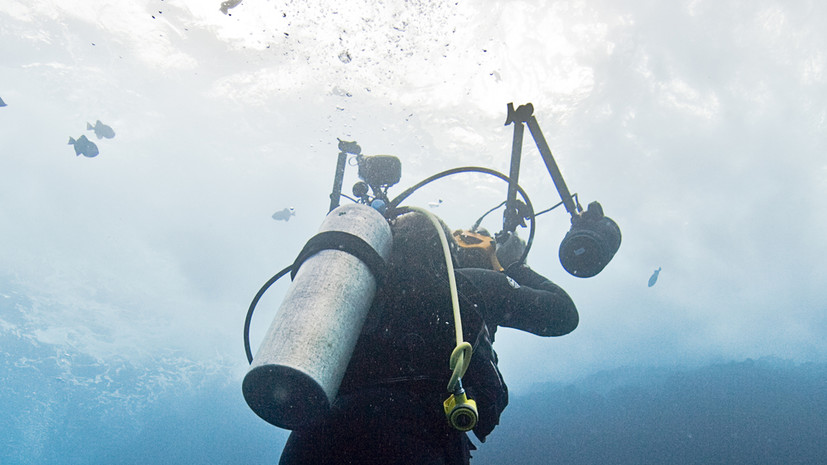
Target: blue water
{"points": [[62, 406], [59, 405]]}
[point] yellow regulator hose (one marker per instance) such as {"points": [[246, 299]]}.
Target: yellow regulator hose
{"points": [[461, 356]]}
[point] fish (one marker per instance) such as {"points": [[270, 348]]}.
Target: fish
{"points": [[2, 103], [435, 204], [101, 130], [654, 278], [285, 214], [229, 4], [84, 146]]}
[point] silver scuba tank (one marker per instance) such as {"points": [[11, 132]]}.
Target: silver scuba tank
{"points": [[296, 373]]}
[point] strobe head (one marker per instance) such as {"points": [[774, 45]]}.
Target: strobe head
{"points": [[380, 170], [590, 244]]}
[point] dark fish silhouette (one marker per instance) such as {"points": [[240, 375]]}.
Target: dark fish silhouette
{"points": [[101, 130], [654, 278], [284, 215], [84, 146], [229, 4], [2, 103]]}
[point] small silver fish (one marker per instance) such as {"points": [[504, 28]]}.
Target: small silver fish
{"points": [[229, 4], [435, 204], [84, 146], [284, 215], [101, 130], [654, 278]]}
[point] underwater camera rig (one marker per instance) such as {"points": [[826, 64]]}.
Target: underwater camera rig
{"points": [[296, 373], [586, 249]]}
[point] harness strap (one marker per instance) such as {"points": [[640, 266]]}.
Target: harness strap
{"points": [[346, 242]]}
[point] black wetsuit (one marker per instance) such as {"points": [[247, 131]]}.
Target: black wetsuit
{"points": [[389, 407]]}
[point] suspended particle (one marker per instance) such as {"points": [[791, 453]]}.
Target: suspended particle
{"points": [[345, 57]]}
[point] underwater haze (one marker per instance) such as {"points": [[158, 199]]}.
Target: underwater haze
{"points": [[126, 269]]}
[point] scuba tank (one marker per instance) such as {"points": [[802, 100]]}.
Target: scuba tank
{"points": [[295, 376]]}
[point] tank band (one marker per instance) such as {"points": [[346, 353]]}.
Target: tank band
{"points": [[346, 242]]}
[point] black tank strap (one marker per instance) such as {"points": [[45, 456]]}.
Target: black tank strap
{"points": [[346, 242]]}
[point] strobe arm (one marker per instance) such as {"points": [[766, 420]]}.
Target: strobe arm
{"points": [[336, 194], [553, 170], [593, 238], [518, 116], [345, 148]]}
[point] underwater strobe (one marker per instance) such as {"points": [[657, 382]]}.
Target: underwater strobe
{"points": [[593, 238], [590, 244], [299, 367]]}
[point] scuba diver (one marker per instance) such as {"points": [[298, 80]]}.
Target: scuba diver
{"points": [[354, 360], [389, 408]]}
